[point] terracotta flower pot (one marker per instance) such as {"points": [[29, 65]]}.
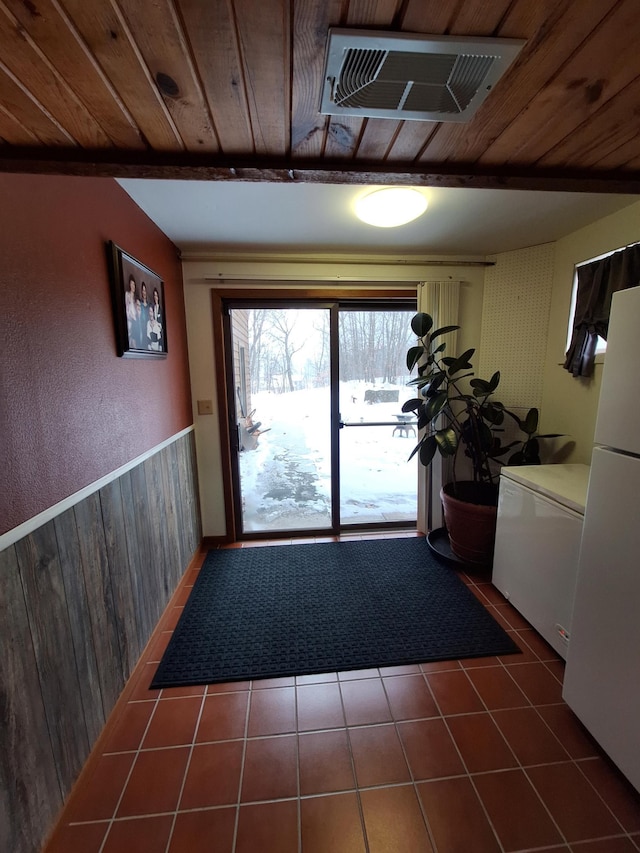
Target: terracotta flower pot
{"points": [[470, 517]]}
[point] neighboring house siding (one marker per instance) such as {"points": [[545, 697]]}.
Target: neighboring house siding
{"points": [[241, 352]]}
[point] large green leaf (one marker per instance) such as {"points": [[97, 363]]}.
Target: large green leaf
{"points": [[421, 323], [437, 380], [412, 405], [493, 412], [443, 331], [461, 363], [486, 436], [427, 450], [530, 424], [414, 354], [423, 420], [447, 441], [531, 451], [480, 387], [435, 405]]}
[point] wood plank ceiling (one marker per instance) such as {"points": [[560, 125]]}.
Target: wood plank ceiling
{"points": [[230, 89]]}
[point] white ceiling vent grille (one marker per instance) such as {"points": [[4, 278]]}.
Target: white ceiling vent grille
{"points": [[408, 76]]}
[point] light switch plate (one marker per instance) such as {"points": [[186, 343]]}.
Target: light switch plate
{"points": [[205, 407]]}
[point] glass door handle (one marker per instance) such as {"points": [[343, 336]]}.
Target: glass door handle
{"points": [[378, 423]]}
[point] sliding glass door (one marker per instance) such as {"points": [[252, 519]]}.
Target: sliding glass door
{"points": [[377, 483], [281, 378], [319, 439]]}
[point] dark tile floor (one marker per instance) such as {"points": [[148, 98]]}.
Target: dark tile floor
{"points": [[462, 756]]}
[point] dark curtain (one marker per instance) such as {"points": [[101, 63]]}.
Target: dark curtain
{"points": [[597, 282]]}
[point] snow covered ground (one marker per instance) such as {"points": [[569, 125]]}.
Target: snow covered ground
{"points": [[286, 480]]}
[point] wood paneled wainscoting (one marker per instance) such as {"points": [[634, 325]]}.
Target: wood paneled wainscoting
{"points": [[79, 598]]}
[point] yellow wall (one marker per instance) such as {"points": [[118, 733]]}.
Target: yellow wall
{"points": [[569, 404], [201, 276], [515, 319]]}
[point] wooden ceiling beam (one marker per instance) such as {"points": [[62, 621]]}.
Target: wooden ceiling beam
{"points": [[187, 167]]}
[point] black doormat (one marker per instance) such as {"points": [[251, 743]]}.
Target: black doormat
{"points": [[302, 609]]}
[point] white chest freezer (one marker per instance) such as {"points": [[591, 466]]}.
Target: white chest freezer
{"points": [[538, 532]]}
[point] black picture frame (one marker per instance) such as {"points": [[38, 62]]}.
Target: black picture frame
{"points": [[140, 311]]}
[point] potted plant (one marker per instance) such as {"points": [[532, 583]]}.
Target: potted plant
{"points": [[458, 421]]}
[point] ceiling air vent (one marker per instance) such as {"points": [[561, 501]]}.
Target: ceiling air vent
{"points": [[409, 76]]}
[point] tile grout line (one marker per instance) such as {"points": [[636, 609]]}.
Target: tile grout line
{"points": [[464, 764], [363, 824], [186, 771], [423, 812], [129, 775], [519, 763], [245, 739], [601, 798], [325, 794], [297, 732], [536, 707]]}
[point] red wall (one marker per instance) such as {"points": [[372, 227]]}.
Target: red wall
{"points": [[71, 411]]}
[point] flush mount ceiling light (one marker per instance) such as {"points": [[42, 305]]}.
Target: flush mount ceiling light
{"points": [[391, 206]]}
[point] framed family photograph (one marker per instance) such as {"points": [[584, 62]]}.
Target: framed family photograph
{"points": [[139, 307]]}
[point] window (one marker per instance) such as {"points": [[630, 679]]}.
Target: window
{"points": [[597, 281], [601, 347]]}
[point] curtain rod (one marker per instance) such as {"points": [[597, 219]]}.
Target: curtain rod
{"points": [[607, 254]]}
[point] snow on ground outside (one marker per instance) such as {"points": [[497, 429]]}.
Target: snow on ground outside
{"points": [[285, 481]]}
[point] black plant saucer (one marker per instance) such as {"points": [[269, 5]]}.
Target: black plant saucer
{"points": [[438, 541]]}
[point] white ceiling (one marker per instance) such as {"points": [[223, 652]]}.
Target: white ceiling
{"points": [[218, 216]]}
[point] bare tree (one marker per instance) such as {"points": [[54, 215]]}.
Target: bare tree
{"points": [[282, 332], [257, 319], [355, 346], [397, 337], [373, 345], [319, 362]]}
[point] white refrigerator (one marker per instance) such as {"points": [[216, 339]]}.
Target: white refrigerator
{"points": [[602, 677]]}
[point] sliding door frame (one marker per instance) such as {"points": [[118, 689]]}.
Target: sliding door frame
{"points": [[220, 298]]}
